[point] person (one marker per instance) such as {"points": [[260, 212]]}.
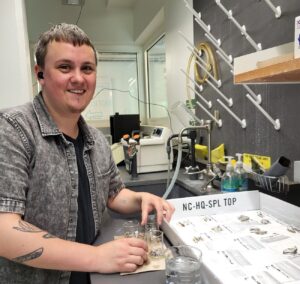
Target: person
{"points": [[58, 176]]}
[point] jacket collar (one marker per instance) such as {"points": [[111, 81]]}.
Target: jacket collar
{"points": [[47, 124]]}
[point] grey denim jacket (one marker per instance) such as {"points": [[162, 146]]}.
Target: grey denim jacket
{"points": [[39, 180]]}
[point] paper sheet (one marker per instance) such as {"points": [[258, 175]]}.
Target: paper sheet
{"points": [[246, 247]]}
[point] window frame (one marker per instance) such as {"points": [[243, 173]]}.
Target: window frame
{"points": [[147, 83]]}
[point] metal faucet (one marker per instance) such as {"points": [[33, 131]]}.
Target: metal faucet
{"points": [[193, 170]]}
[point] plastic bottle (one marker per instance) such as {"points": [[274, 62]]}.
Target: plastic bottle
{"points": [[229, 181], [242, 176]]}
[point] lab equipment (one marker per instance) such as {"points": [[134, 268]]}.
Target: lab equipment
{"points": [[208, 173], [187, 117], [151, 153], [183, 265], [270, 183], [131, 229], [130, 154], [121, 124], [279, 168], [156, 245]]}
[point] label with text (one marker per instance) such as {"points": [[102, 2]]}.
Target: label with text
{"points": [[210, 203]]}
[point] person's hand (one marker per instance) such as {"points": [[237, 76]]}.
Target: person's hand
{"points": [[122, 255], [150, 202]]}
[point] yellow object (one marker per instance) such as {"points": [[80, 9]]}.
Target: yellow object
{"points": [[233, 162], [201, 151], [264, 161], [217, 154]]}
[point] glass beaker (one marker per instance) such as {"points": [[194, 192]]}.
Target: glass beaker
{"points": [[131, 229], [151, 223], [183, 265], [156, 244]]}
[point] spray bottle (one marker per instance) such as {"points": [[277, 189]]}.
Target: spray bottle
{"points": [[229, 181], [242, 175]]}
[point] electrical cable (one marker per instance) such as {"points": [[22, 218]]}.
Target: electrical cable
{"points": [[169, 148], [177, 168], [138, 99], [79, 15], [206, 50], [182, 159]]}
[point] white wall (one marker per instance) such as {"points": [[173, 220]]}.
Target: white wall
{"points": [[151, 19], [16, 85], [144, 12], [104, 26], [177, 17]]}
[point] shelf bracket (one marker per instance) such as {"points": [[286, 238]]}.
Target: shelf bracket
{"points": [[256, 97], [242, 29], [217, 121], [228, 100], [242, 122], [216, 42], [208, 103], [276, 122], [276, 10]]}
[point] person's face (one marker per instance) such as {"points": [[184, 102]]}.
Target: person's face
{"points": [[69, 78]]}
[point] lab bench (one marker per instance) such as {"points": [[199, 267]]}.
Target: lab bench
{"points": [[111, 226], [156, 183], [112, 222], [152, 180]]}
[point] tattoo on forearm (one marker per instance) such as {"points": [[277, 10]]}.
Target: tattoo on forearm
{"points": [[29, 256], [26, 227]]}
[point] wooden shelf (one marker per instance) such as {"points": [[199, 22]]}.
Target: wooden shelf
{"points": [[273, 65], [283, 72]]}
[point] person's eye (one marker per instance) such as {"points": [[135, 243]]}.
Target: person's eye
{"points": [[88, 69], [64, 68]]}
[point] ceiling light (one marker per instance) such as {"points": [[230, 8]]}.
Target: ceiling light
{"points": [[73, 2]]}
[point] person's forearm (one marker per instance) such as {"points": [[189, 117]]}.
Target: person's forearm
{"points": [[23, 243], [126, 201]]}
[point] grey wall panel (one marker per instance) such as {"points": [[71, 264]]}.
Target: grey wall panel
{"points": [[281, 101]]}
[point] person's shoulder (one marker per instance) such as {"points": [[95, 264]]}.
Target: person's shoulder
{"points": [[17, 111], [19, 120]]}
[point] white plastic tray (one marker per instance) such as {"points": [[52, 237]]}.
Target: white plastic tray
{"points": [[233, 251]]}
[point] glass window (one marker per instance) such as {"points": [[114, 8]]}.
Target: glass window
{"points": [[117, 86], [156, 79]]}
